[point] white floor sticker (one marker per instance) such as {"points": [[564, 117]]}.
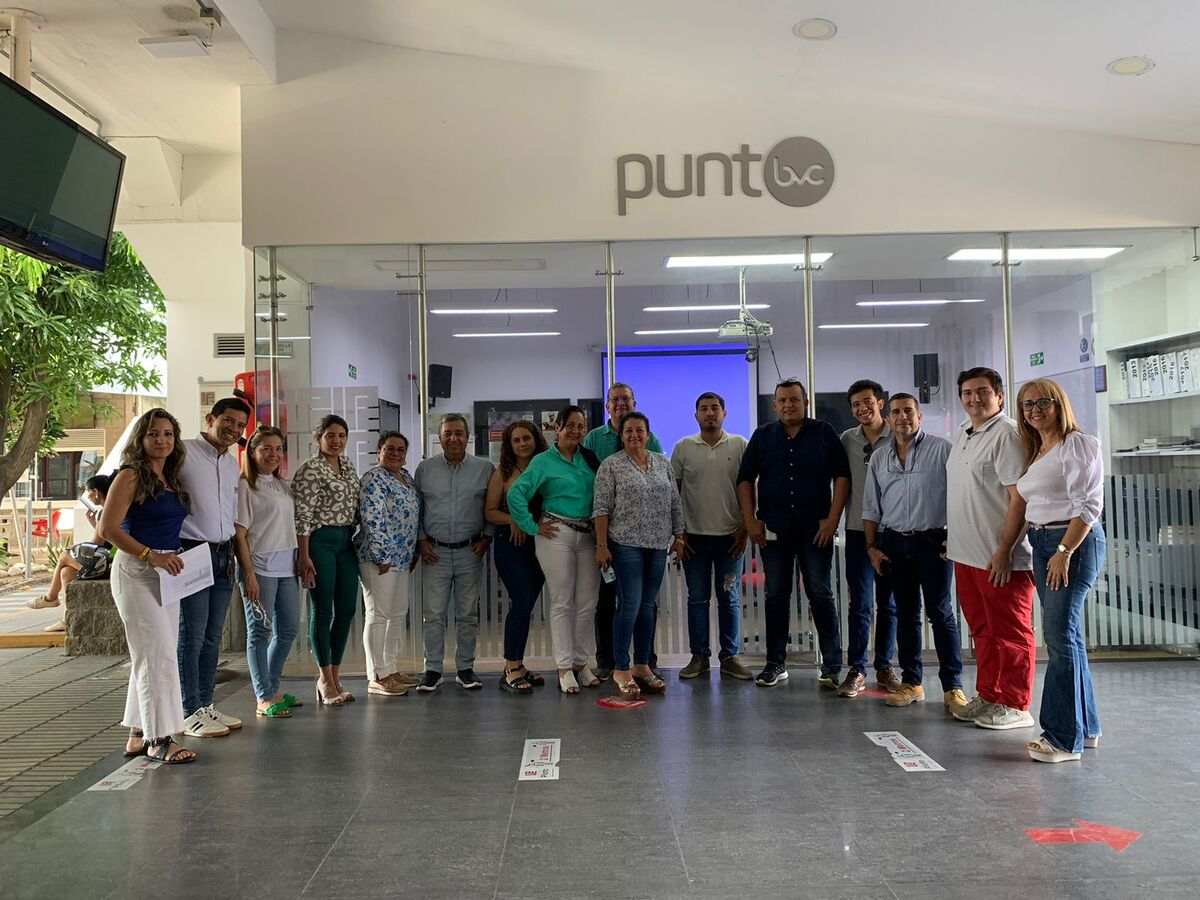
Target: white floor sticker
{"points": [[539, 762], [126, 776], [905, 753]]}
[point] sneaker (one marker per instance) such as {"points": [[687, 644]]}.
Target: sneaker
{"points": [[404, 680], [771, 675], [429, 681], [200, 724], [1043, 751], [888, 680], [60, 625], [698, 666], [386, 688], [955, 701], [233, 723], [42, 602], [908, 693], [974, 707], [853, 684], [735, 668], [1092, 742], [466, 678], [998, 717], [828, 680]]}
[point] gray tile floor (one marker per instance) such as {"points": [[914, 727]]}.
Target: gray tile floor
{"points": [[720, 789]]}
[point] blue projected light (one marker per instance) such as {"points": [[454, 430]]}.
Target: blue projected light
{"points": [[667, 380]]}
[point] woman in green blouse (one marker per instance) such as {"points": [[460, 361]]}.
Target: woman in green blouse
{"points": [[325, 489]]}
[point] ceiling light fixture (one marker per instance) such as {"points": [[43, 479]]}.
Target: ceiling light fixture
{"points": [[525, 264], [481, 334], [815, 29], [1033, 254], [725, 306], [495, 311], [930, 302], [680, 331], [737, 261], [878, 325], [280, 316], [181, 46], [1130, 65]]}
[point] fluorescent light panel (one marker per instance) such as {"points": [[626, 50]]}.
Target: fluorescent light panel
{"points": [[408, 266], [482, 334], [930, 302], [753, 259], [495, 311], [1033, 254], [878, 325], [680, 331], [725, 306]]}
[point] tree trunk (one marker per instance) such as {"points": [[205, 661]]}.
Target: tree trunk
{"points": [[21, 454]]}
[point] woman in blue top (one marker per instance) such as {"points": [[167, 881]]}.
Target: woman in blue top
{"points": [[389, 511], [142, 518]]}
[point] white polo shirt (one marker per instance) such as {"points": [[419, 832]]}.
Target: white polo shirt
{"points": [[984, 462], [211, 482], [708, 479]]}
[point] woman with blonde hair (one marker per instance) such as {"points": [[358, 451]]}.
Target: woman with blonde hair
{"points": [[265, 540], [142, 518], [1063, 490]]}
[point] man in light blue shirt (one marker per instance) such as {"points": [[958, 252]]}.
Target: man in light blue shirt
{"points": [[904, 519]]}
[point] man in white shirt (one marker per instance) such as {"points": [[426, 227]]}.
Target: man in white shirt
{"points": [[210, 477], [992, 559], [706, 467]]}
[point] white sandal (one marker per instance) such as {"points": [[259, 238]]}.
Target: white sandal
{"points": [[567, 683], [586, 677], [1042, 750]]}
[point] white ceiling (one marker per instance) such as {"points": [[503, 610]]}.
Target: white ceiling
{"points": [[1035, 62]]}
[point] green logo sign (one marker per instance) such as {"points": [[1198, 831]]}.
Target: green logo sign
{"points": [[1037, 359], [352, 371]]}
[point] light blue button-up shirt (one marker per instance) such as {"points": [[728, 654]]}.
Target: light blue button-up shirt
{"points": [[452, 498], [908, 495]]}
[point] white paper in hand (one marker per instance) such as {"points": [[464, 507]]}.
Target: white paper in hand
{"points": [[197, 574]]}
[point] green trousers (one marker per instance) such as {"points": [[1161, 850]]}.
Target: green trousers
{"points": [[333, 602]]}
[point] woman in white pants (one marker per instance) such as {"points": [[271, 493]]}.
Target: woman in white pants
{"points": [[142, 518], [561, 479], [389, 512]]}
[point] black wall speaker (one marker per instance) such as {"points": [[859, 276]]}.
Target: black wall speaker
{"points": [[440, 378], [925, 374]]}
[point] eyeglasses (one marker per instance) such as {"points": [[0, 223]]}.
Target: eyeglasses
{"points": [[1041, 404]]}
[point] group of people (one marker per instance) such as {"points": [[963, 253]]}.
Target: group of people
{"points": [[1008, 508]]}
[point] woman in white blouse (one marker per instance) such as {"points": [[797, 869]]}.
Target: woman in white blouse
{"points": [[265, 539], [1063, 490]]}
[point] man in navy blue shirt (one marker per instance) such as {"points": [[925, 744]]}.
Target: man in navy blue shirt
{"points": [[791, 466]]}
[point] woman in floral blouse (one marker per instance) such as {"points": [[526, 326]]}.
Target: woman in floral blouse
{"points": [[389, 512], [325, 489]]}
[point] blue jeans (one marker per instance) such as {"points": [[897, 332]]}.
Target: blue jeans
{"points": [[201, 621], [268, 645], [867, 595], [1068, 700], [780, 558], [639, 574], [711, 563], [518, 568], [916, 568]]}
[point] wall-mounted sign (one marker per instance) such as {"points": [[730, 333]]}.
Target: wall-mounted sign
{"points": [[798, 171], [352, 371], [1037, 359]]}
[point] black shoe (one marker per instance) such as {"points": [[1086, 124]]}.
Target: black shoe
{"points": [[466, 678], [771, 675], [828, 680], [429, 682], [602, 674]]}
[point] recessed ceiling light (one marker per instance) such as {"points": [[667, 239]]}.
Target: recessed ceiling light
{"points": [[1033, 254], [879, 325], [519, 264], [815, 29], [495, 311], [751, 259], [680, 331], [930, 302], [725, 306], [178, 47], [472, 334], [1130, 65]]}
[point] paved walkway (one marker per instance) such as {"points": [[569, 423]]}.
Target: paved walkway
{"points": [[17, 618]]}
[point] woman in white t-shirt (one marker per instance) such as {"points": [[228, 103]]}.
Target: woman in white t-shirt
{"points": [[1063, 490], [265, 536]]}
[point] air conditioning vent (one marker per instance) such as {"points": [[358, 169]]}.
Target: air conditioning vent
{"points": [[229, 345]]}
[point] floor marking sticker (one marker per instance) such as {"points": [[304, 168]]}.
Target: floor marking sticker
{"points": [[127, 776], [539, 762], [619, 703], [905, 753], [1119, 839]]}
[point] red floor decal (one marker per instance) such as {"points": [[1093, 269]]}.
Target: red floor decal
{"points": [[1119, 839], [618, 703]]}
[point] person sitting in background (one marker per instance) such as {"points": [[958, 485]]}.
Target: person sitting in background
{"points": [[69, 564]]}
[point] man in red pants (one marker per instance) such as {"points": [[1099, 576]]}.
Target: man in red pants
{"points": [[992, 558]]}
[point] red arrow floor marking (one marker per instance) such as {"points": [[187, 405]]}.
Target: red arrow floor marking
{"points": [[1119, 839]]}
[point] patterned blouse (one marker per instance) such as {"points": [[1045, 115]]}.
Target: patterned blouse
{"points": [[390, 511], [643, 507], [324, 496]]}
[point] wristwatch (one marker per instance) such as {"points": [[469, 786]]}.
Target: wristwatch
{"points": [[1063, 548]]}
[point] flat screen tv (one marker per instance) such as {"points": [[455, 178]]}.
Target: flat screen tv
{"points": [[58, 183]]}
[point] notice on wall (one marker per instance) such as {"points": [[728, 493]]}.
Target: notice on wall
{"points": [[539, 761], [905, 753]]}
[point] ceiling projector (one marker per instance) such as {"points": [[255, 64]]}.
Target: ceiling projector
{"points": [[745, 326]]}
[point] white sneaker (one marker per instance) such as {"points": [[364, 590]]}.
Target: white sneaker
{"points": [[974, 707], [200, 724], [1091, 742], [231, 722], [998, 717]]}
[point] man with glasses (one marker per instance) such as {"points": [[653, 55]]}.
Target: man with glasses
{"points": [[789, 468], [867, 595], [992, 558], [604, 441], [904, 521]]}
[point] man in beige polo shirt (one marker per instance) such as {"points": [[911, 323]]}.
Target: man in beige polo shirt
{"points": [[706, 467]]}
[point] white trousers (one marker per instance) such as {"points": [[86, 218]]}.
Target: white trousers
{"points": [[386, 600], [154, 702], [568, 561]]}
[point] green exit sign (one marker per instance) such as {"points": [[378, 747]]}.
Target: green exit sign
{"points": [[352, 371], [1037, 359]]}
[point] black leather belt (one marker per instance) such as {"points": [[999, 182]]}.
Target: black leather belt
{"points": [[1045, 525], [933, 531], [581, 527], [217, 546], [457, 545]]}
